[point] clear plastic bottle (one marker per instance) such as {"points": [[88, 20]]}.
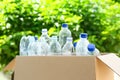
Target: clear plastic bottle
{"points": [[55, 48], [68, 48], [81, 47], [92, 50], [23, 46], [32, 47], [63, 34], [45, 35], [43, 47]]}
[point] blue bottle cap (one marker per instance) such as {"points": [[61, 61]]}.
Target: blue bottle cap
{"points": [[64, 25], [83, 35], [75, 44], [36, 38], [91, 47]]}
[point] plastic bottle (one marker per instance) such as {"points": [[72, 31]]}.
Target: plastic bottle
{"points": [[68, 48], [32, 47], [55, 48], [74, 44], [45, 35], [92, 50], [81, 47], [23, 46], [63, 34], [43, 47]]}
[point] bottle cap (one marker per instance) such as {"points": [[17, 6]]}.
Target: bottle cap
{"points": [[44, 30], [91, 47], [64, 25], [83, 35], [35, 38], [75, 44]]}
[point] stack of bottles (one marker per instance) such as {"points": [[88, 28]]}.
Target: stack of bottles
{"points": [[57, 45]]}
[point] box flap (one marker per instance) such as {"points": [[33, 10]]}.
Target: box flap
{"points": [[10, 66], [112, 61]]}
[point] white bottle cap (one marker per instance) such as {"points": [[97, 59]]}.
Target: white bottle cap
{"points": [[44, 30]]}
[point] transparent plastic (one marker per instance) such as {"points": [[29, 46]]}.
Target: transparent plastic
{"points": [[45, 35], [68, 48], [43, 47], [23, 46], [63, 34], [81, 47], [32, 47], [55, 48], [92, 50]]}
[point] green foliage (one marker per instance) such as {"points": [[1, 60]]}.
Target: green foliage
{"points": [[99, 18]]}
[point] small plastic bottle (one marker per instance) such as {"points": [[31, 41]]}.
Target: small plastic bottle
{"points": [[45, 35], [63, 34], [68, 48], [81, 47], [23, 46], [32, 47], [55, 48], [92, 50], [43, 47]]}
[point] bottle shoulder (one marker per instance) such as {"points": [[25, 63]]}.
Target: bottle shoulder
{"points": [[65, 31]]}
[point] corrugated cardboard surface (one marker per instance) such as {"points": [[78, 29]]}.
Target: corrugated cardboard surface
{"points": [[10, 66], [55, 68], [112, 61], [103, 72]]}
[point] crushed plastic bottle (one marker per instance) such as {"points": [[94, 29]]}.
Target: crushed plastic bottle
{"points": [[68, 48], [63, 34], [55, 48], [92, 50], [45, 35], [81, 47]]}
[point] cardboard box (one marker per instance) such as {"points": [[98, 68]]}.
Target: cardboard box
{"points": [[65, 67]]}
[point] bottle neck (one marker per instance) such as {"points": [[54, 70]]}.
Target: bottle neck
{"points": [[44, 33], [83, 38], [64, 27], [54, 40], [69, 41]]}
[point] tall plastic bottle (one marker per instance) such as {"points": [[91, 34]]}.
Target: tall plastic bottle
{"points": [[43, 47], [81, 47], [32, 47], [23, 46], [45, 35], [92, 50], [68, 48], [63, 34], [55, 48]]}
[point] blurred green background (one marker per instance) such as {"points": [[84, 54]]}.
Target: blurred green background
{"points": [[99, 18]]}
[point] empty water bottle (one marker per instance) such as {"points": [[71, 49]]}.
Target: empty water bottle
{"points": [[68, 48], [55, 48], [92, 50], [23, 46], [43, 47], [32, 47], [45, 35], [81, 47], [63, 34]]}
